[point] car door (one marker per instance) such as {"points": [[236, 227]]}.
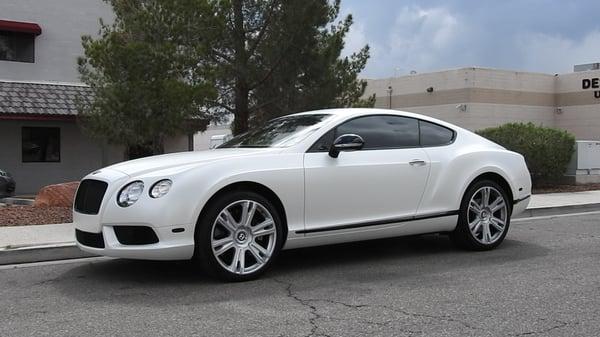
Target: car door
{"points": [[382, 182]]}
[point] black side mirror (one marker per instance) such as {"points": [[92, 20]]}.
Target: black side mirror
{"points": [[347, 142]]}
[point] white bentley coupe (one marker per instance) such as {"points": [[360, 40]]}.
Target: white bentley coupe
{"points": [[307, 179]]}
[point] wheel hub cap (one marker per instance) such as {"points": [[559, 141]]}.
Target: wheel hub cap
{"points": [[487, 215], [243, 237]]}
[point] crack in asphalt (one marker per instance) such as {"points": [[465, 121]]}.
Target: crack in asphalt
{"points": [[315, 315], [560, 325], [313, 310], [445, 318]]}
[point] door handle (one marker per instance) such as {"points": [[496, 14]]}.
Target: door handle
{"points": [[417, 162]]}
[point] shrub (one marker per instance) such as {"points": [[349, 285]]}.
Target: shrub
{"points": [[547, 151]]}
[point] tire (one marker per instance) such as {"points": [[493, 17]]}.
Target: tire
{"points": [[233, 248], [479, 226]]}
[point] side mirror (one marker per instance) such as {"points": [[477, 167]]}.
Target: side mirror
{"points": [[347, 142]]}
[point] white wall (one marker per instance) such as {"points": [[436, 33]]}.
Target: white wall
{"points": [[57, 48], [202, 139]]}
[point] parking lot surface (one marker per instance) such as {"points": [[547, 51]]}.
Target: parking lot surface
{"points": [[543, 281]]}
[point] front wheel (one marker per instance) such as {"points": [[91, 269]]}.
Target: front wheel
{"points": [[484, 217], [239, 236]]}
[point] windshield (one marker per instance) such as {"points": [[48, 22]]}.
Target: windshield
{"points": [[279, 132]]}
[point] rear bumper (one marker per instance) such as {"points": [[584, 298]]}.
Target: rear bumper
{"points": [[171, 245]]}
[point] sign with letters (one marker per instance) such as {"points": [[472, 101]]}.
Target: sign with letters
{"points": [[591, 83]]}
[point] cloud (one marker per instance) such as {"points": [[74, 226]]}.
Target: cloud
{"points": [[355, 40], [415, 41], [537, 35], [543, 52], [418, 35]]}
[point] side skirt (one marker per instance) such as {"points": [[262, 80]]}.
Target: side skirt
{"points": [[377, 222], [445, 222]]}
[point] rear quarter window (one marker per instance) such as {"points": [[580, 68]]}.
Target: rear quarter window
{"points": [[434, 135]]}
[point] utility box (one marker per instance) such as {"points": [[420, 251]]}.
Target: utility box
{"points": [[585, 163]]}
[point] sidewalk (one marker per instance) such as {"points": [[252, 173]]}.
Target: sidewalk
{"points": [[20, 244], [564, 199]]}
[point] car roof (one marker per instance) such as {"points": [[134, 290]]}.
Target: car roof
{"points": [[357, 112]]}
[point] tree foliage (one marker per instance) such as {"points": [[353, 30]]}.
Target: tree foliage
{"points": [[146, 73], [547, 151], [275, 57], [164, 63]]}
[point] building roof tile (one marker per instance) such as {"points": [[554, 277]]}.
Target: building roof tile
{"points": [[41, 98]]}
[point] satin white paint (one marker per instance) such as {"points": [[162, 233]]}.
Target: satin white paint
{"points": [[316, 191]]}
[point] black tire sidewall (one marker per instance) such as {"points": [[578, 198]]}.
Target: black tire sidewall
{"points": [[203, 232], [462, 234]]}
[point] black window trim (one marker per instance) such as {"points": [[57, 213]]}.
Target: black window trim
{"points": [[33, 36], [454, 133]]}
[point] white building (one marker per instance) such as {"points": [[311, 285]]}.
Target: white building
{"points": [[40, 141]]}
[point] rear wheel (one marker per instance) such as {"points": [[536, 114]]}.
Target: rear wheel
{"points": [[239, 236], [484, 217]]}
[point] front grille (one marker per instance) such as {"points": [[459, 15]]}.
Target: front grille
{"points": [[89, 196], [95, 240], [135, 235]]}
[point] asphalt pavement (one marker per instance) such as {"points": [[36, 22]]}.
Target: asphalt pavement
{"points": [[543, 281]]}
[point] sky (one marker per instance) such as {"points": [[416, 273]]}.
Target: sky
{"points": [[547, 36]]}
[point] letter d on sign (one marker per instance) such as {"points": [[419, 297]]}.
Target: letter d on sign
{"points": [[586, 83]]}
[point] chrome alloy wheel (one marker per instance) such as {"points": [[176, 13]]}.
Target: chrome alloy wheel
{"points": [[243, 237], [487, 215]]}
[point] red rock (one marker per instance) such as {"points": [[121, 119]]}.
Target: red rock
{"points": [[59, 195]]}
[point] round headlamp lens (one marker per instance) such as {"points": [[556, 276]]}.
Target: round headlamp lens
{"points": [[160, 188], [130, 194]]}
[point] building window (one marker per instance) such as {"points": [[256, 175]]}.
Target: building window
{"points": [[40, 144], [17, 47]]}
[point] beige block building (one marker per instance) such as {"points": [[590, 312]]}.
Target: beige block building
{"points": [[477, 98]]}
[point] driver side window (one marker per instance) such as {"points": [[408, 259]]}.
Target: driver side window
{"points": [[378, 132]]}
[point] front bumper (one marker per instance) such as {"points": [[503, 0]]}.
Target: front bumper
{"points": [[100, 216], [174, 243]]}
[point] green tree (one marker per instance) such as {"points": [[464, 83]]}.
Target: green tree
{"points": [[277, 57], [148, 73]]}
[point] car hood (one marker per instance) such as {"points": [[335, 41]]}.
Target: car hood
{"points": [[184, 159]]}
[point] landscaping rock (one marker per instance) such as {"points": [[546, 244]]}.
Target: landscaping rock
{"points": [[29, 215], [59, 195]]}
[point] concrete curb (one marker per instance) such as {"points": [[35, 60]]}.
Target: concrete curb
{"points": [[51, 252], [69, 250], [543, 211]]}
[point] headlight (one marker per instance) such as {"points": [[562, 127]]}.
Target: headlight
{"points": [[160, 188], [130, 194]]}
